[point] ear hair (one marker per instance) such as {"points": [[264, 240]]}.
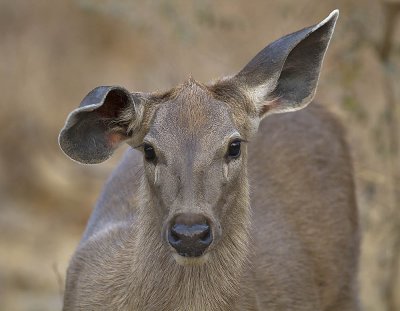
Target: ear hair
{"points": [[131, 116]]}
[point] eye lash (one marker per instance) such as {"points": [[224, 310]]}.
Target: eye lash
{"points": [[242, 140], [138, 146]]}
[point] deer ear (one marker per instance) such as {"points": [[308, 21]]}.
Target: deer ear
{"points": [[94, 130], [284, 75]]}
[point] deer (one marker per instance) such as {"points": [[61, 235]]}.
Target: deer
{"points": [[224, 200]]}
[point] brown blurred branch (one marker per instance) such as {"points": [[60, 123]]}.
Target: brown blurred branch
{"points": [[60, 281], [392, 12]]}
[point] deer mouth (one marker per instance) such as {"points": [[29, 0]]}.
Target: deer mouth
{"points": [[190, 261]]}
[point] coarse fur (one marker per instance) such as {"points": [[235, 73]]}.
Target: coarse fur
{"points": [[283, 214]]}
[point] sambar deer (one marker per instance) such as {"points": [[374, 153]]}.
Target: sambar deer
{"points": [[212, 209]]}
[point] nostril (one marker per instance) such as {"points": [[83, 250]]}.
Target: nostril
{"points": [[205, 235], [173, 236]]}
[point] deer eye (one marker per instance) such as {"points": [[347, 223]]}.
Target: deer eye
{"points": [[149, 152], [234, 149]]}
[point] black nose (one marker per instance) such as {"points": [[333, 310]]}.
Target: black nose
{"points": [[190, 235]]}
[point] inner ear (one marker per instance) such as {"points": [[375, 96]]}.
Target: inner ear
{"points": [[114, 104], [117, 113]]}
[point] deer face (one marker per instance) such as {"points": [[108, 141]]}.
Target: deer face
{"points": [[194, 159]]}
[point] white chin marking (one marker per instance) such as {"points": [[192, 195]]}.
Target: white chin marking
{"points": [[190, 261]]}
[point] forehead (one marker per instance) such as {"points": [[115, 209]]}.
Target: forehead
{"points": [[191, 114]]}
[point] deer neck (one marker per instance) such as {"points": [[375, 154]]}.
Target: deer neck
{"points": [[158, 282]]}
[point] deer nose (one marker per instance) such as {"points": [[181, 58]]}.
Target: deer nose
{"points": [[190, 235]]}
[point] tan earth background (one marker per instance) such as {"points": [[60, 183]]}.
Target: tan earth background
{"points": [[52, 53]]}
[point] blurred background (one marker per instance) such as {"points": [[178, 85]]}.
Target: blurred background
{"points": [[52, 53]]}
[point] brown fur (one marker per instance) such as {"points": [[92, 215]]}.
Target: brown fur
{"points": [[300, 252]]}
